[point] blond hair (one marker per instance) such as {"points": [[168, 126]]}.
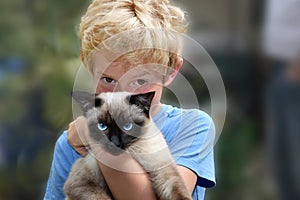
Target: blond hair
{"points": [[145, 28]]}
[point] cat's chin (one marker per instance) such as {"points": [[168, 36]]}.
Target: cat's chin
{"points": [[113, 150]]}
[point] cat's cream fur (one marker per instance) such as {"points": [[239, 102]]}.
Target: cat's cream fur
{"points": [[86, 182]]}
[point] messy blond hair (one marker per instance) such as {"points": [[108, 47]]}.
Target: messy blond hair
{"points": [[146, 28]]}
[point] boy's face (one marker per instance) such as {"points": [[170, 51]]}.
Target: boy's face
{"points": [[117, 76]]}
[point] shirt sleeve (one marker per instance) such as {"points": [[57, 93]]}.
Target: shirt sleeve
{"points": [[192, 147], [63, 158]]}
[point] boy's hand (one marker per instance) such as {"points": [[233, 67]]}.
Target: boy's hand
{"points": [[78, 135]]}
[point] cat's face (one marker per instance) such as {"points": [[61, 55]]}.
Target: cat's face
{"points": [[117, 119]]}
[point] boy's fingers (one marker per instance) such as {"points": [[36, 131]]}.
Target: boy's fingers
{"points": [[81, 150], [77, 134]]}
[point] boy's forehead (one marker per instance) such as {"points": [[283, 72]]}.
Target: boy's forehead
{"points": [[118, 71], [103, 65]]}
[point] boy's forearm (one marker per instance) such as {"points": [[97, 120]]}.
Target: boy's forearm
{"points": [[128, 180], [128, 185]]}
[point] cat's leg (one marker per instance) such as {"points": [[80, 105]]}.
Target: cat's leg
{"points": [[168, 184], [88, 193], [86, 182], [154, 156], [166, 180]]}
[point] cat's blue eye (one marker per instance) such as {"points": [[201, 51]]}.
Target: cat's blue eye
{"points": [[127, 126], [102, 127]]}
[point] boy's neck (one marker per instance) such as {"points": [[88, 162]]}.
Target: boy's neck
{"points": [[155, 109]]}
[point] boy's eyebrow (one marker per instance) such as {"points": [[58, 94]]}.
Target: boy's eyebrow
{"points": [[141, 73], [101, 75]]}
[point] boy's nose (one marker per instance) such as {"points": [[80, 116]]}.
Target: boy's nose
{"points": [[123, 88]]}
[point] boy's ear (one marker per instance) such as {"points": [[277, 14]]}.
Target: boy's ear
{"points": [[82, 57], [86, 100], [142, 101], [173, 72]]}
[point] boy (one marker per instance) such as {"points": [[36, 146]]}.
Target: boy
{"points": [[133, 46]]}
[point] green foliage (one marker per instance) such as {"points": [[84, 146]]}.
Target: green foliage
{"points": [[35, 103], [234, 149]]}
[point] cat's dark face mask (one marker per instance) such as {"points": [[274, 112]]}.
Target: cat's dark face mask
{"points": [[120, 121]]}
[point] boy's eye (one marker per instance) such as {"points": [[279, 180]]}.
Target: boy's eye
{"points": [[102, 127], [127, 126], [140, 81], [108, 80]]}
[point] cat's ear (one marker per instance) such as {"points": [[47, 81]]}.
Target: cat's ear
{"points": [[86, 100], [142, 101]]}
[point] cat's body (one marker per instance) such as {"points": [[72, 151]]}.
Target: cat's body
{"points": [[121, 122]]}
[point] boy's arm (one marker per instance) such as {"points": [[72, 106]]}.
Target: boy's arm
{"points": [[188, 176], [63, 158], [126, 185], [135, 186]]}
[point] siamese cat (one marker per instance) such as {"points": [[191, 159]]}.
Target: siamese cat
{"points": [[120, 122]]}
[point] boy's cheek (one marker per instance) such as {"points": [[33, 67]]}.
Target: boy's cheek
{"points": [[148, 88], [100, 88]]}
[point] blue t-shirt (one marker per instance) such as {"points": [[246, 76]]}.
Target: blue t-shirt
{"points": [[189, 134]]}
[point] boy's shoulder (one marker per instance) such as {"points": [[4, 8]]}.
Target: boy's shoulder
{"points": [[174, 119], [185, 114]]}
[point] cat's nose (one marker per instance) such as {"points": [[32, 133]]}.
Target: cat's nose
{"points": [[115, 140]]}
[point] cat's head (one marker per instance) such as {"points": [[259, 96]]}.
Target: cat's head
{"points": [[115, 119]]}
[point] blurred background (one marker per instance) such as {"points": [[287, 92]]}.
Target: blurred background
{"points": [[39, 58]]}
